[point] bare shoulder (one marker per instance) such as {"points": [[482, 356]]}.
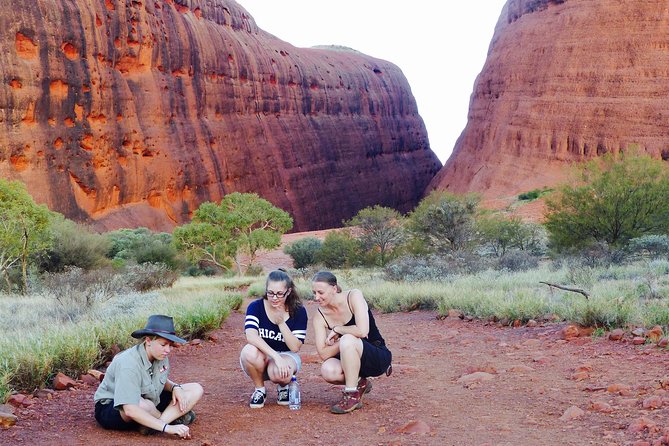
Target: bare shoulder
{"points": [[357, 298]]}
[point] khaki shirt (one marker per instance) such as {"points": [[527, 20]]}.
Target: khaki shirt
{"points": [[131, 375]]}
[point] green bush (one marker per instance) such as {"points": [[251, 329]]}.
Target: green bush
{"points": [[142, 245], [303, 251], [74, 245], [531, 195], [339, 249], [444, 222]]}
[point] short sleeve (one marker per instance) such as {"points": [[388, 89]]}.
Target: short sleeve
{"points": [[128, 388], [299, 328], [253, 315]]}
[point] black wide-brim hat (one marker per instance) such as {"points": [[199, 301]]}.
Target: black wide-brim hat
{"points": [[159, 325]]}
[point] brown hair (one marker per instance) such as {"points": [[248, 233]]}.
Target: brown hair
{"points": [[293, 300], [326, 277]]}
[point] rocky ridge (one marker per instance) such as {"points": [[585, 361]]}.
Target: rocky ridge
{"points": [[131, 113], [564, 81]]}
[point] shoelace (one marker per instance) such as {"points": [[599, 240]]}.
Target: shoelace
{"points": [[258, 395]]}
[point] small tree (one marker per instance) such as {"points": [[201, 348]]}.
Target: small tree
{"points": [[240, 223], [24, 229], [500, 234], [381, 230], [303, 251], [444, 222], [620, 198], [339, 249]]}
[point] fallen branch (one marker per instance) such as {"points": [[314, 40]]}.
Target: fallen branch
{"points": [[574, 290]]}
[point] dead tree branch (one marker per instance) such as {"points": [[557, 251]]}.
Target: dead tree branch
{"points": [[574, 290]]}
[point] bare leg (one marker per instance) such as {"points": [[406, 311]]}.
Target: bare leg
{"points": [[332, 372], [350, 351], [193, 394], [254, 362]]}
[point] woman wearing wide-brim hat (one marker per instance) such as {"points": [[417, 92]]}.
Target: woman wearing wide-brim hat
{"points": [[136, 392]]}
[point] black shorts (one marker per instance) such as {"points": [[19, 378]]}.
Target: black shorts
{"points": [[110, 418], [375, 359]]}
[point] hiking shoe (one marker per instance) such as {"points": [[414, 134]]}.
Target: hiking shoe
{"points": [[147, 430], [282, 396], [350, 401], [364, 386], [186, 418], [257, 399]]}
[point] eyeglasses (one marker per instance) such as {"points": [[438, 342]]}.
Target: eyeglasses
{"points": [[279, 294]]}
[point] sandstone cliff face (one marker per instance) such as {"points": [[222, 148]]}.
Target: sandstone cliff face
{"points": [[132, 112], [564, 81]]}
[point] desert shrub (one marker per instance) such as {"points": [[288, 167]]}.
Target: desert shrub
{"points": [[149, 276], [434, 267], [142, 245], [652, 245], [77, 291], [74, 245], [595, 255], [418, 269], [303, 251], [339, 249], [159, 252], [517, 260], [531, 195], [254, 270]]}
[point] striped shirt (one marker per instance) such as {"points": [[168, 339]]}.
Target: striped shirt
{"points": [[256, 318]]}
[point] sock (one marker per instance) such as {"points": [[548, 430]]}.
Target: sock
{"points": [[262, 389], [280, 387], [350, 389]]}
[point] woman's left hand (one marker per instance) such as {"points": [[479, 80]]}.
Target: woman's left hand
{"points": [[283, 366], [332, 338], [181, 398]]}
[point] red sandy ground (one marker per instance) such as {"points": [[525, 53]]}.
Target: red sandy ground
{"points": [[535, 377]]}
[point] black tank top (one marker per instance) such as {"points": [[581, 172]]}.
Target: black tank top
{"points": [[373, 336]]}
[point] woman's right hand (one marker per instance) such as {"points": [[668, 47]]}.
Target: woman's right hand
{"points": [[178, 429]]}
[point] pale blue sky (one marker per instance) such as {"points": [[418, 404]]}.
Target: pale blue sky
{"points": [[440, 46]]}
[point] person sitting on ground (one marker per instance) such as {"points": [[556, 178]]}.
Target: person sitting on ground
{"points": [[136, 392], [348, 341], [275, 327]]}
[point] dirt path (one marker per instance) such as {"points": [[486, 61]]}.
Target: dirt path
{"points": [[534, 378]]}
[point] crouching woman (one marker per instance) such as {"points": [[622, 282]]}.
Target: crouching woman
{"points": [[136, 392], [348, 341]]}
